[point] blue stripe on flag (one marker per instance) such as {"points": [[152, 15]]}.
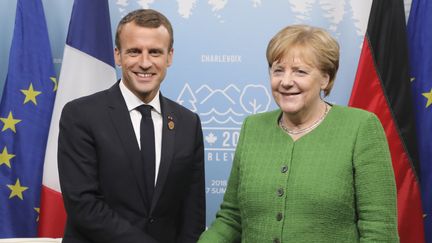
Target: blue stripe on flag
{"points": [[88, 16], [420, 47], [25, 114]]}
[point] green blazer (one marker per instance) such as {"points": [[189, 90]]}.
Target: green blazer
{"points": [[334, 184]]}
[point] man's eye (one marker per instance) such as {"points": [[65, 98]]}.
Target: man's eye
{"points": [[155, 53], [133, 53]]}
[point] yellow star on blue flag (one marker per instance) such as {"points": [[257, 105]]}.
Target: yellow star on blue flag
{"points": [[38, 212], [17, 190], [54, 80], [5, 157], [9, 122], [428, 96], [30, 94]]}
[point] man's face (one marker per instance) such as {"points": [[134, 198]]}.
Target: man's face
{"points": [[144, 58]]}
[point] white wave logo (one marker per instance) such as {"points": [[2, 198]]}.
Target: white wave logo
{"points": [[226, 121], [213, 110], [227, 106]]}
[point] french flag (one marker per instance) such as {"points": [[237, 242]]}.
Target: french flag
{"points": [[87, 67]]}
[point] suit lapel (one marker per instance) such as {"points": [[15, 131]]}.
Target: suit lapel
{"points": [[167, 151], [122, 122]]}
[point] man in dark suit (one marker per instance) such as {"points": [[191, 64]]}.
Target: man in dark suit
{"points": [[127, 175]]}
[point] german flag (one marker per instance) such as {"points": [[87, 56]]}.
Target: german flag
{"points": [[382, 86]]}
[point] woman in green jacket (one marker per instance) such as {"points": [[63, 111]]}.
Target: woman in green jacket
{"points": [[309, 171]]}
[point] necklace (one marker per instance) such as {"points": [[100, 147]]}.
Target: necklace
{"points": [[306, 129]]}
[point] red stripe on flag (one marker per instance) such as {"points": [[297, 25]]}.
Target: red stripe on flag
{"points": [[368, 94], [52, 217]]}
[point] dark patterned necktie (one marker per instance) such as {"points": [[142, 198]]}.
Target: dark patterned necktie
{"points": [[147, 148]]}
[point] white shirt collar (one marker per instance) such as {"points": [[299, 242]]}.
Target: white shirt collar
{"points": [[132, 101]]}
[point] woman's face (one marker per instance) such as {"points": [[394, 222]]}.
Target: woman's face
{"points": [[296, 84]]}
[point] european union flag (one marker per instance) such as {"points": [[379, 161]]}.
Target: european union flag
{"points": [[420, 48], [25, 114]]}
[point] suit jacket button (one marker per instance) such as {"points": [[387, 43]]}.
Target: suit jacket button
{"points": [[151, 220]]}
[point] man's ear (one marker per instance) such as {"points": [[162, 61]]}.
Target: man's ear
{"points": [[117, 57], [170, 56]]}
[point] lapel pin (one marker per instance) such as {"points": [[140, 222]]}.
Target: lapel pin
{"points": [[171, 124]]}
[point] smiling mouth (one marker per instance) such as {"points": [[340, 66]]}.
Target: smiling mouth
{"points": [[144, 75], [290, 94]]}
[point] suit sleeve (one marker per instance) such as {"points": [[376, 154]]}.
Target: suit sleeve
{"points": [[226, 228], [194, 205], [374, 184], [78, 171]]}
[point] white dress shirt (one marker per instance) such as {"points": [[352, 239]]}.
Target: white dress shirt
{"points": [[132, 102]]}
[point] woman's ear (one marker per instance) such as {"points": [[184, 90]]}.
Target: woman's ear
{"points": [[324, 81]]}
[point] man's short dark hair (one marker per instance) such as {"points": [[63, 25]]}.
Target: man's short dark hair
{"points": [[145, 18]]}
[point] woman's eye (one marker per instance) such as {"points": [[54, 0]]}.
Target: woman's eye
{"points": [[301, 72], [277, 71]]}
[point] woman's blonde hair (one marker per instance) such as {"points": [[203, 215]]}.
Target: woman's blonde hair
{"points": [[324, 49]]}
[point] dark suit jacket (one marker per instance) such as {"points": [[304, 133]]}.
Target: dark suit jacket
{"points": [[101, 174]]}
